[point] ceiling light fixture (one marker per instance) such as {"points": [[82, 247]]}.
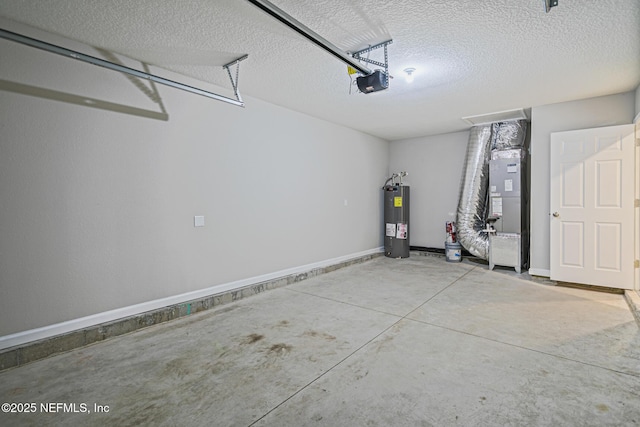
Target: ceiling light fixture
{"points": [[409, 76]]}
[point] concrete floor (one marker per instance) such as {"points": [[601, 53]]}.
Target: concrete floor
{"points": [[413, 342]]}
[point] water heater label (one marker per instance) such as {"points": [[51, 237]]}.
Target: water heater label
{"points": [[391, 230], [402, 231], [397, 202]]}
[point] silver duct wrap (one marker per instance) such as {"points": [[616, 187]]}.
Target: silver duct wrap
{"points": [[508, 135], [472, 203]]}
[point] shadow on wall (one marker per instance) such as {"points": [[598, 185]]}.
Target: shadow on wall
{"points": [[151, 92], [81, 100]]}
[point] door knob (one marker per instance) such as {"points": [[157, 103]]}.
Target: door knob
{"points": [[556, 214]]}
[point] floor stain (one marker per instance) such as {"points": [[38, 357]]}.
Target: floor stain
{"points": [[16, 391], [360, 376], [215, 367], [83, 359], [380, 344], [253, 338], [602, 407], [315, 334], [280, 348], [178, 368]]}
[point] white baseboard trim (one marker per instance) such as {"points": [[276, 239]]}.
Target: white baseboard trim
{"points": [[539, 272], [49, 331]]}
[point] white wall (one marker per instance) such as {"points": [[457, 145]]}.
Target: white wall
{"points": [[98, 206], [587, 113], [435, 166]]}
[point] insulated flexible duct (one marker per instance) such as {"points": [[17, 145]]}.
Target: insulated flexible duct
{"points": [[472, 205], [508, 135]]}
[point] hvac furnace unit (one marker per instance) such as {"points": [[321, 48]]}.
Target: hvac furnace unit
{"points": [[396, 217], [507, 209], [493, 211]]}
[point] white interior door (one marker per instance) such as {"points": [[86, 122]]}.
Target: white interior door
{"points": [[592, 206]]}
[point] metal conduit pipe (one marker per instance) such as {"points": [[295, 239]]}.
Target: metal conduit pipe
{"points": [[472, 202]]}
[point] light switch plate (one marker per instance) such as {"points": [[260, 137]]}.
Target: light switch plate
{"points": [[198, 221]]}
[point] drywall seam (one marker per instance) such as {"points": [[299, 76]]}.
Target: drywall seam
{"points": [[49, 331]]}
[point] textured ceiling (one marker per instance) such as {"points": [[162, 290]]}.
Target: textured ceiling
{"points": [[471, 57]]}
